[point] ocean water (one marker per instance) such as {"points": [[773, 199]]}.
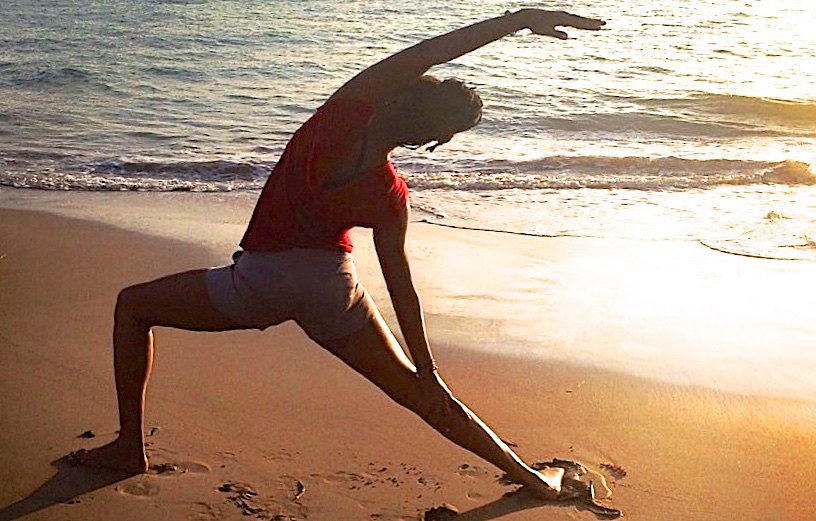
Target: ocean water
{"points": [[203, 94], [691, 120]]}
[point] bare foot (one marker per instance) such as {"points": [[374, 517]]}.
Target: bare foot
{"points": [[116, 455], [543, 484]]}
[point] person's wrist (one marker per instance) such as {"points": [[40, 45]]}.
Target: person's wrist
{"points": [[518, 17], [426, 369]]}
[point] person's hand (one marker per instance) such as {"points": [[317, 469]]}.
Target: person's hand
{"points": [[544, 22]]}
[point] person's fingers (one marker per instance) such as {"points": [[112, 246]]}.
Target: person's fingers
{"points": [[547, 25], [580, 22]]}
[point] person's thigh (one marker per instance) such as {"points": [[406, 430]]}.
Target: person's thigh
{"points": [[179, 300]]}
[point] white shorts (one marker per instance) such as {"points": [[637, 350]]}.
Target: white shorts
{"points": [[318, 289]]}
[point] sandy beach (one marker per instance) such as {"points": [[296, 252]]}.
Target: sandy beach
{"points": [[617, 266], [269, 426]]}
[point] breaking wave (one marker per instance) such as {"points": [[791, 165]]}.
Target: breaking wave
{"points": [[556, 172], [147, 176], [612, 172]]}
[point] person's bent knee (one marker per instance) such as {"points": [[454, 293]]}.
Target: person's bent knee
{"points": [[128, 305]]}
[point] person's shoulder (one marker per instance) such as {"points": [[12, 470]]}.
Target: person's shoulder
{"points": [[340, 118], [343, 104], [335, 118]]}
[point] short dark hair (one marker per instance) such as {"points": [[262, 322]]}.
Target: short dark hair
{"points": [[443, 108]]}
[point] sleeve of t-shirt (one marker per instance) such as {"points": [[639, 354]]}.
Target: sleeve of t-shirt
{"points": [[381, 198]]}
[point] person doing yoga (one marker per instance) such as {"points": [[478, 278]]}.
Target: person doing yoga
{"points": [[295, 261]]}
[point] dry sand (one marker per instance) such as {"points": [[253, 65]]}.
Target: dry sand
{"points": [[246, 420]]}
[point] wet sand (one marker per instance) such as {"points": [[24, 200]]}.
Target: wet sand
{"points": [[267, 424]]}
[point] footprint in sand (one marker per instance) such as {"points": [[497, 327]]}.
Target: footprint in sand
{"points": [[355, 481], [342, 476], [139, 488], [477, 474], [227, 454], [169, 469], [475, 471], [204, 512], [282, 455]]}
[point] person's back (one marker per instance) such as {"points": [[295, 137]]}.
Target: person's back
{"points": [[299, 207]]}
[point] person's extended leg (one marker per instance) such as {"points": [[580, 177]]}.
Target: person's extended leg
{"points": [[375, 353], [179, 301]]}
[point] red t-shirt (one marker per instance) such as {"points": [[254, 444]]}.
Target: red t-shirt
{"points": [[294, 211]]}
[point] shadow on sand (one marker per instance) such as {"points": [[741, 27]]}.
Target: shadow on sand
{"points": [[517, 502], [70, 482], [66, 485]]}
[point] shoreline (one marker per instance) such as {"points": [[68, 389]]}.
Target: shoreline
{"points": [[254, 409], [639, 307]]}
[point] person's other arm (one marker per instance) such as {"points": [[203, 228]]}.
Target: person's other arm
{"points": [[390, 242], [389, 77]]}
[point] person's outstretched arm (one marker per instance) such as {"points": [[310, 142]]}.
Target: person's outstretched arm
{"points": [[389, 77]]}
